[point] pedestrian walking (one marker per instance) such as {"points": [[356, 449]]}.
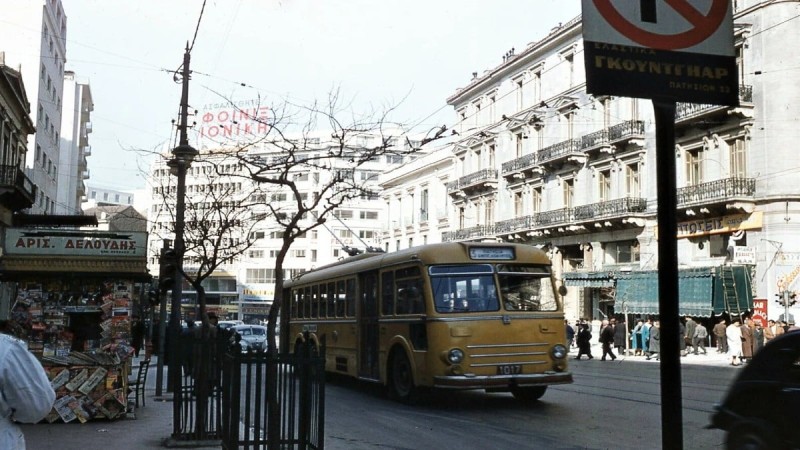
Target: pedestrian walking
{"points": [[758, 336], [772, 331], [733, 333], [584, 339], [654, 346], [699, 337], [137, 335], [25, 392], [620, 335], [646, 336], [636, 338], [719, 333], [747, 340], [570, 333], [607, 339], [691, 325]]}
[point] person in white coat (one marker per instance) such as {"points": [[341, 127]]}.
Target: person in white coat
{"points": [[734, 336], [25, 392]]}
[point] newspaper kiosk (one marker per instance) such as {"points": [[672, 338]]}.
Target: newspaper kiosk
{"points": [[75, 293]]}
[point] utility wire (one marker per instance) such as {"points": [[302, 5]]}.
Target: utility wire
{"points": [[197, 28]]}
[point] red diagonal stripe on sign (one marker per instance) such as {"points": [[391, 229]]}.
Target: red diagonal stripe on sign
{"points": [[689, 12]]}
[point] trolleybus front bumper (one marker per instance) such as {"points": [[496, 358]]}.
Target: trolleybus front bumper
{"points": [[501, 381]]}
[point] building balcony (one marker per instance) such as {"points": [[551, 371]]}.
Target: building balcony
{"points": [[85, 174], [87, 150], [718, 196], [17, 191], [557, 155], [471, 233], [483, 179], [618, 135], [517, 168], [617, 211], [687, 112]]}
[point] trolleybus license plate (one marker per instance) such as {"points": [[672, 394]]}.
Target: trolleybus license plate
{"points": [[509, 369]]}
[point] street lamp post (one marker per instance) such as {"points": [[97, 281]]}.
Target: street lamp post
{"points": [[182, 158]]}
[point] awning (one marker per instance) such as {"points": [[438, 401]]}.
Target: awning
{"points": [[637, 292], [589, 279], [733, 289]]}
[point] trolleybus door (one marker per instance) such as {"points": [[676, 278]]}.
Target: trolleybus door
{"points": [[368, 325]]}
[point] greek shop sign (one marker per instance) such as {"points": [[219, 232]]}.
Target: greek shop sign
{"points": [[681, 50], [720, 225], [74, 243]]}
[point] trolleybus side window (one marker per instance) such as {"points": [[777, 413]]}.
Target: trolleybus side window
{"points": [[387, 293], [314, 301], [409, 299], [351, 297], [331, 299], [341, 297], [295, 301], [526, 288]]}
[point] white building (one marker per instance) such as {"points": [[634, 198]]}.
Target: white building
{"points": [[246, 286], [542, 162], [416, 200], [34, 36], [75, 128]]}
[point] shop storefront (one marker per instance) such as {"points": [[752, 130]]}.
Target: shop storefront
{"points": [[76, 292]]}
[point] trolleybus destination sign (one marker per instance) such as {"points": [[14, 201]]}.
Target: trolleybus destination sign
{"points": [[676, 50]]}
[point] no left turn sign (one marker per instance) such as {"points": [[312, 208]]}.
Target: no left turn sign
{"points": [[699, 25], [669, 49]]}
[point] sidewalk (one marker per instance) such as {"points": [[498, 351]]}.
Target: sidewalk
{"points": [[153, 424], [711, 359]]}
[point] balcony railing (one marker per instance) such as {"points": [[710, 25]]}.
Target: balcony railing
{"points": [[611, 208], [512, 225], [472, 179], [559, 151], [18, 191], [718, 190], [555, 217], [521, 163], [685, 110], [607, 136], [477, 231]]}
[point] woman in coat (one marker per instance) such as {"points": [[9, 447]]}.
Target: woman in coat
{"points": [[654, 347], [636, 338], [747, 340]]}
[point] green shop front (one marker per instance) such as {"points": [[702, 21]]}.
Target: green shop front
{"points": [[75, 292], [702, 292]]}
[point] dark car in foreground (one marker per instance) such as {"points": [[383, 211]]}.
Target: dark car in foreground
{"points": [[761, 407]]}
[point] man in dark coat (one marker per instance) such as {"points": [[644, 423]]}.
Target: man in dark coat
{"points": [[654, 348], [584, 341], [607, 339], [689, 335], [620, 335]]}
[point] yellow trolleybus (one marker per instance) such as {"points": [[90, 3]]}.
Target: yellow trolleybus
{"points": [[450, 315]]}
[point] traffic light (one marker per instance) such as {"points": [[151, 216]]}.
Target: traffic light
{"points": [[168, 264], [787, 298]]}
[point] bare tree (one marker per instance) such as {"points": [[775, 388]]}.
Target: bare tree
{"points": [[293, 145], [218, 217]]}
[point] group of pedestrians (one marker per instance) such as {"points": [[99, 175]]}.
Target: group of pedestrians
{"points": [[741, 340]]}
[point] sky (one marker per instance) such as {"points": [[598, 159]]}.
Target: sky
{"points": [[406, 54]]}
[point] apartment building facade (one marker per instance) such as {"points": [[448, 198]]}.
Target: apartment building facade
{"points": [[76, 125], [34, 38]]}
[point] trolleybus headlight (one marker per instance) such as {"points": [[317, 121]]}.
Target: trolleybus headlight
{"points": [[455, 356], [559, 351]]}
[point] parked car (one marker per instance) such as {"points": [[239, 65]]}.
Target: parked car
{"points": [[760, 408], [254, 337], [228, 324]]}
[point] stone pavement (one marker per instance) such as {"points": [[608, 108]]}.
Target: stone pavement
{"points": [[153, 422]]}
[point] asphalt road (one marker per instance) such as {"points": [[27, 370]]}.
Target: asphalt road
{"points": [[611, 405]]}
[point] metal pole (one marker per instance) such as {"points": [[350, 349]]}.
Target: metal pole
{"points": [[671, 401], [183, 155]]}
